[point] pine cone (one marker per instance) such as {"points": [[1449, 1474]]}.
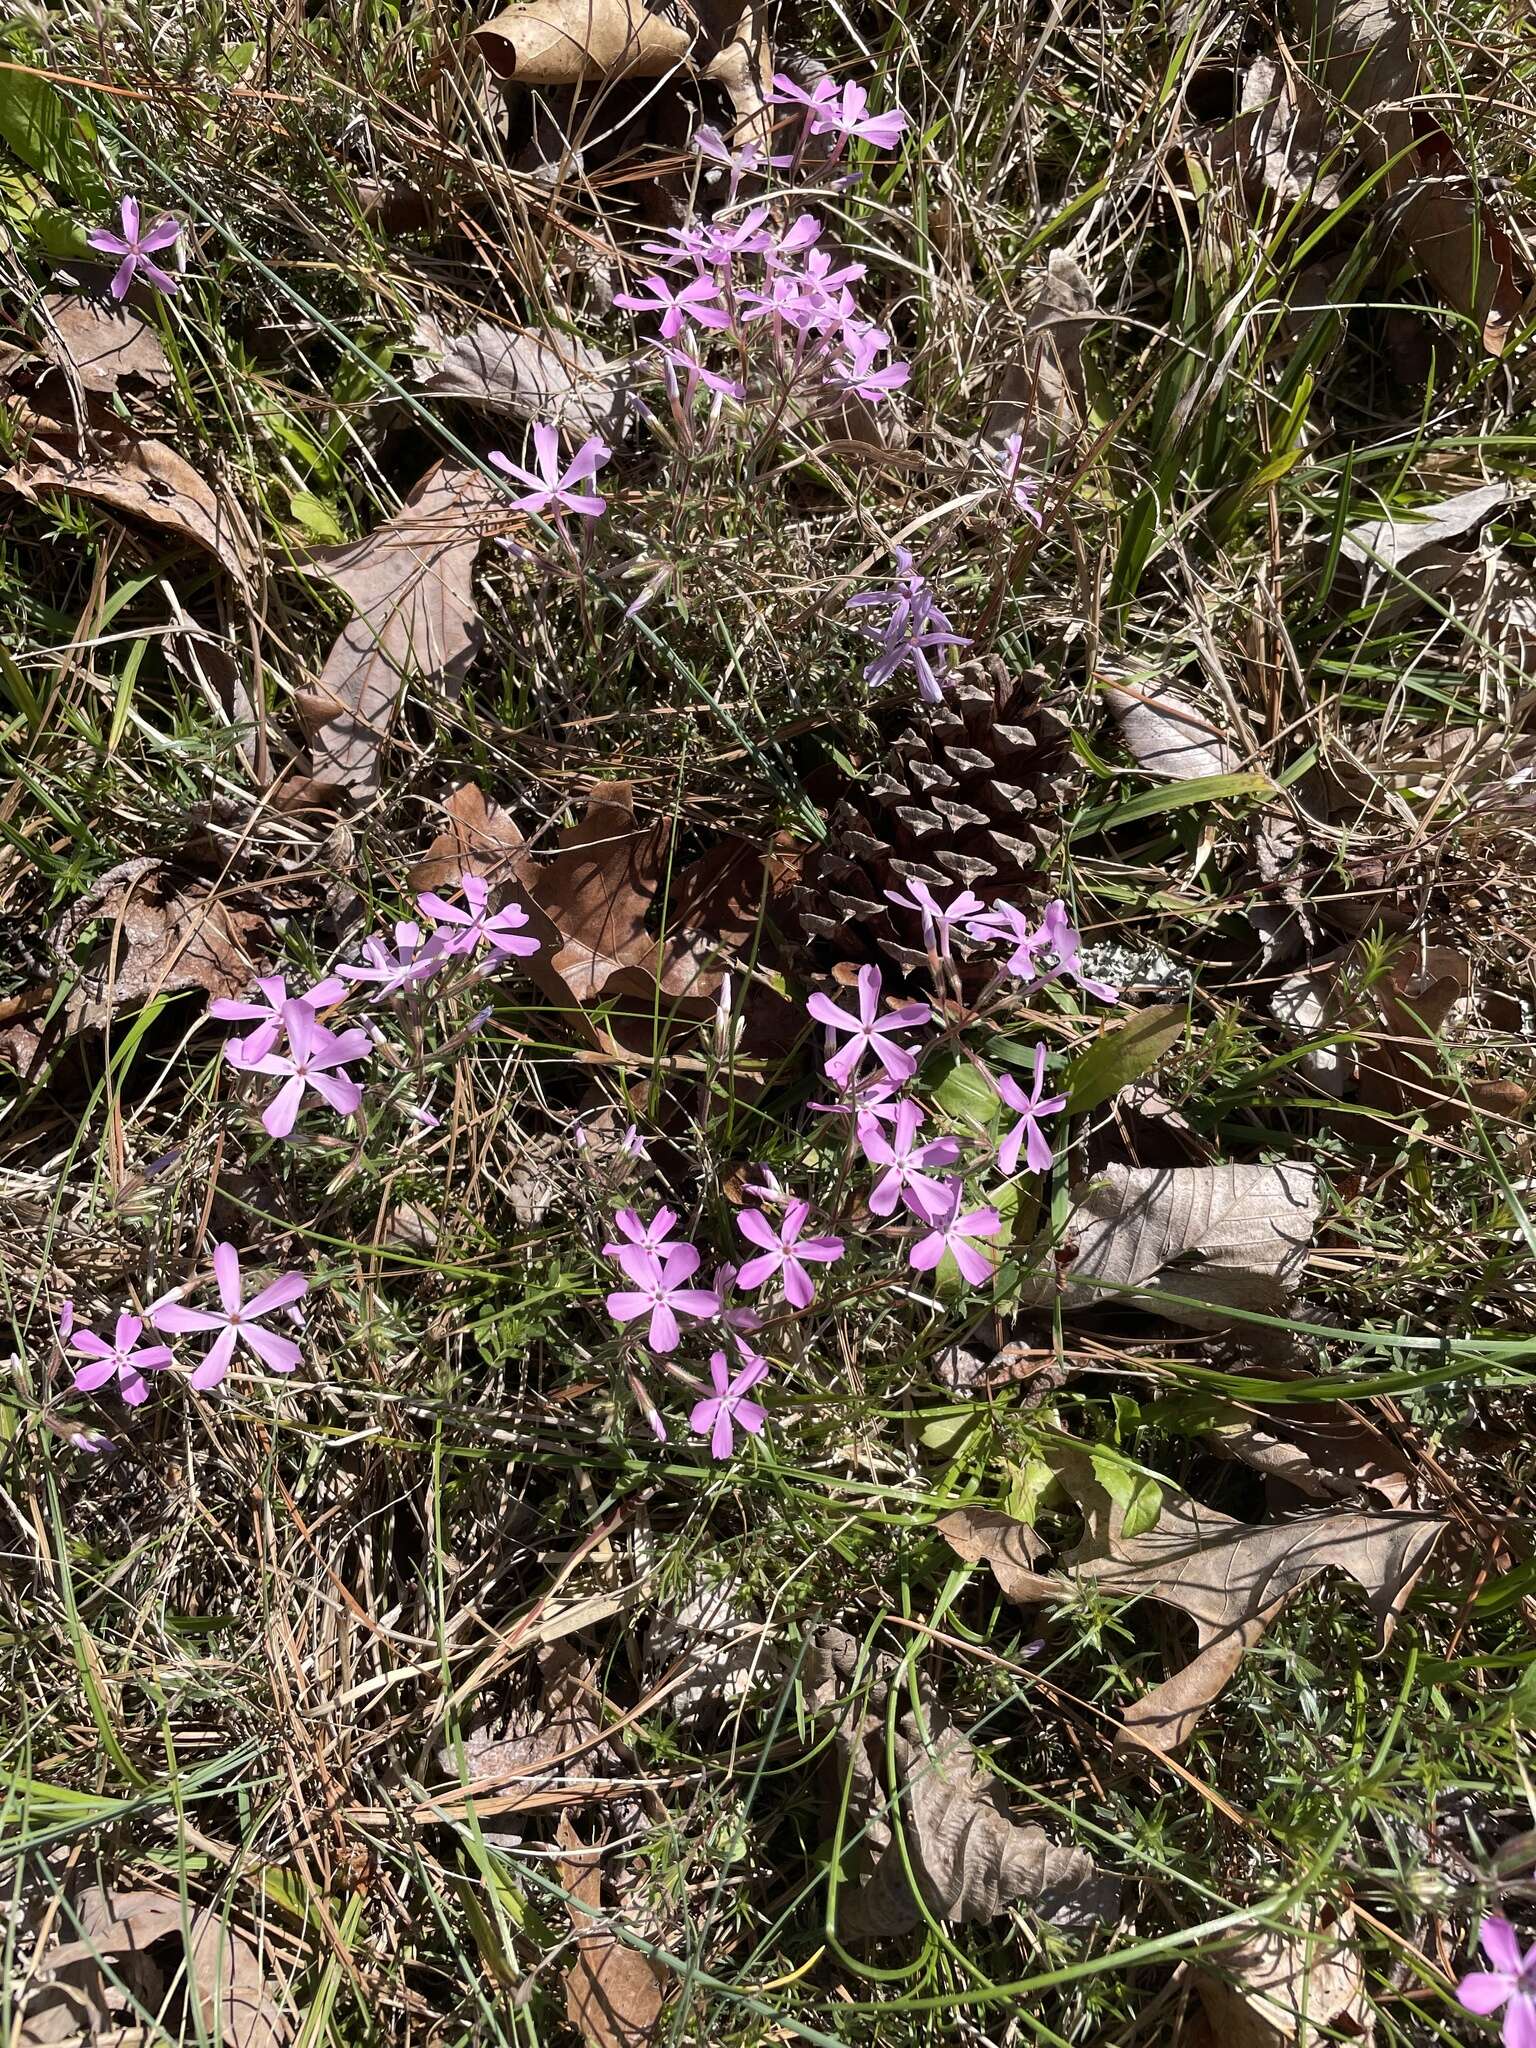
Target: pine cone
{"points": [[967, 796]]}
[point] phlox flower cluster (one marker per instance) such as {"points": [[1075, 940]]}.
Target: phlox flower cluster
{"points": [[873, 1056], [912, 632]]}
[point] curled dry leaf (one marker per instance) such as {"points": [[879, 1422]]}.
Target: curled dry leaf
{"points": [[1041, 396], [1362, 53], [411, 583], [613, 1993], [1321, 1449], [1230, 1237], [1231, 1577], [1168, 736], [1279, 142], [1273, 1990], [1403, 540], [969, 1857], [538, 374], [722, 1648], [100, 343]]}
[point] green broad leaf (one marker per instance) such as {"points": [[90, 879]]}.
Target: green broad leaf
{"points": [[1032, 1487], [1137, 1494], [942, 1434], [1175, 796], [42, 130], [316, 517], [1522, 1698], [965, 1095], [1123, 1055]]}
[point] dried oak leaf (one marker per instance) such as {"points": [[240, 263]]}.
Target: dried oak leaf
{"points": [[1403, 540], [613, 1993], [538, 374], [478, 838], [1231, 1577], [1321, 1448], [1274, 1990], [100, 343], [969, 1857], [411, 583], [1172, 1238], [1362, 52], [112, 465], [1168, 736], [1402, 1073], [161, 935]]}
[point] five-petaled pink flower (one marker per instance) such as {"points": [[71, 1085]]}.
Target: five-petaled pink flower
{"points": [[124, 1359], [1030, 1108], [729, 1405], [463, 931], [135, 249], [1058, 932], [697, 300], [783, 1251], [240, 1321], [906, 1162], [315, 1060], [953, 1230], [654, 1237], [417, 957], [551, 485], [659, 1290], [1020, 488], [268, 1013], [939, 920], [1511, 1982], [840, 112], [869, 1031]]}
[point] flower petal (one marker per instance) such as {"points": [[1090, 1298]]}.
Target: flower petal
{"points": [[278, 1293], [664, 1333], [226, 1271], [281, 1113], [280, 1353], [1501, 1944], [1483, 1992], [216, 1364]]}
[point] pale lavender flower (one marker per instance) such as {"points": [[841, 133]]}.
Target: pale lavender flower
{"points": [[416, 958], [939, 920], [1006, 922], [1061, 937], [239, 1322], [915, 629], [783, 1250], [632, 1144], [870, 1095], [64, 1317], [135, 248], [464, 931], [816, 98], [869, 1031], [659, 1290], [846, 114], [1030, 1109], [94, 1442], [552, 486], [654, 1238], [1020, 488], [124, 1359], [854, 372], [953, 1231], [696, 301], [1511, 1982], [729, 1406], [314, 1063], [268, 1012], [906, 1177], [739, 163], [680, 363]]}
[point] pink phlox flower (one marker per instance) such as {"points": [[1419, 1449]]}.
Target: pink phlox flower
{"points": [[724, 241], [871, 1095], [1030, 1108], [906, 1177], [953, 1231], [552, 486], [94, 1442], [659, 1290], [767, 1187], [783, 1251], [869, 1031], [314, 1062], [463, 931], [846, 113], [64, 1317], [632, 1144], [681, 247], [914, 629], [1006, 922], [803, 233], [729, 1407], [783, 297], [417, 957], [124, 1359], [939, 920], [1020, 488], [238, 1322], [653, 1238], [910, 649], [818, 274], [854, 370], [679, 362], [268, 1012], [1061, 937], [696, 300], [910, 601], [815, 98], [739, 163], [135, 249], [1511, 1982], [740, 1318]]}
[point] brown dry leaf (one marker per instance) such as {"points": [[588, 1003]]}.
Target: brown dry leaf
{"points": [[1042, 396], [148, 481], [479, 839], [1274, 1991], [1279, 141], [1168, 736], [969, 1857], [1231, 1577], [547, 1747], [613, 1993], [1234, 1237], [539, 374], [1362, 53], [1403, 541], [100, 343], [160, 935], [1319, 1448], [568, 42], [411, 582]]}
